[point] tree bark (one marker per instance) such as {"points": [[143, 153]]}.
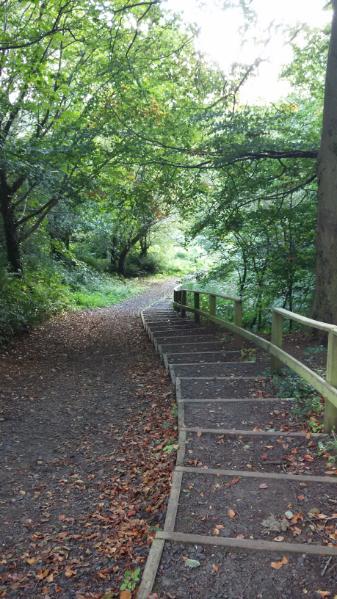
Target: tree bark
{"points": [[12, 241], [325, 301], [121, 267]]}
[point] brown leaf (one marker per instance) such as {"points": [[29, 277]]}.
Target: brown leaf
{"points": [[69, 572], [279, 564], [231, 513], [232, 482], [42, 574], [125, 595]]}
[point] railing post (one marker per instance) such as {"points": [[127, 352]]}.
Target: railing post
{"points": [[212, 304], [330, 411], [238, 313], [175, 299], [183, 301], [196, 299], [276, 339]]}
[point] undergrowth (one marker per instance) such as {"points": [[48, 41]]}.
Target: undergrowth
{"points": [[308, 403], [38, 294]]}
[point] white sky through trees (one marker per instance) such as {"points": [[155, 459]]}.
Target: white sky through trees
{"points": [[222, 39]]}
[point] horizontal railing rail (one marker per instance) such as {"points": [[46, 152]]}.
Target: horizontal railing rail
{"points": [[326, 387]]}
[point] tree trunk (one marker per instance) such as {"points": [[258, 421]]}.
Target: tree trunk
{"points": [[11, 234], [144, 246], [121, 266], [325, 301]]}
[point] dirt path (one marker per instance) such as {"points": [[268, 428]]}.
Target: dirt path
{"points": [[252, 510], [85, 411]]}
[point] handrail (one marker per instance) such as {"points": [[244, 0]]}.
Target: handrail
{"points": [[327, 388], [234, 298], [181, 292], [310, 322]]}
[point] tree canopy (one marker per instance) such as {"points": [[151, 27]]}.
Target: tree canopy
{"points": [[112, 123]]}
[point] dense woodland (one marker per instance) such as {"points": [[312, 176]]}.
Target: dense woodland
{"points": [[118, 141]]}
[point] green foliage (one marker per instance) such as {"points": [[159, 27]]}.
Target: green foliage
{"points": [[329, 447], [131, 579], [123, 151], [102, 290], [26, 301], [307, 401]]}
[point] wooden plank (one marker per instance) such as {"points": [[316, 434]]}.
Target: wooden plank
{"points": [[223, 378], [323, 387], [197, 364], [246, 544], [182, 448], [309, 322], [196, 301], [276, 338], [330, 410], [257, 474], [151, 568], [237, 400], [172, 507], [236, 432]]}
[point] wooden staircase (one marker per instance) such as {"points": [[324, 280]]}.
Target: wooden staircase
{"points": [[242, 521]]}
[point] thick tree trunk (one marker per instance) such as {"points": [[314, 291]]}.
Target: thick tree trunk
{"points": [[121, 266], [325, 301], [11, 234]]}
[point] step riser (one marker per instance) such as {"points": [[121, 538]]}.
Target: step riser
{"points": [[222, 466]]}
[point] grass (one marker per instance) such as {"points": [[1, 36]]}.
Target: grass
{"points": [[109, 291]]}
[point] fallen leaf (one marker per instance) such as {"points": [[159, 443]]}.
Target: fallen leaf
{"points": [[274, 525], [216, 529], [69, 572], [279, 564], [278, 539], [232, 482], [215, 568], [324, 594], [125, 595], [42, 574], [231, 513], [263, 486], [192, 563]]}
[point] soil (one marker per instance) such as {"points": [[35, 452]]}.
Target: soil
{"points": [[242, 369], [243, 415], [242, 575], [230, 387], [85, 415], [248, 507], [257, 508], [203, 357], [267, 454]]}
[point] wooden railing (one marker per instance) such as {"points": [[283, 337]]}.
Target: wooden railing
{"points": [[326, 387]]}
